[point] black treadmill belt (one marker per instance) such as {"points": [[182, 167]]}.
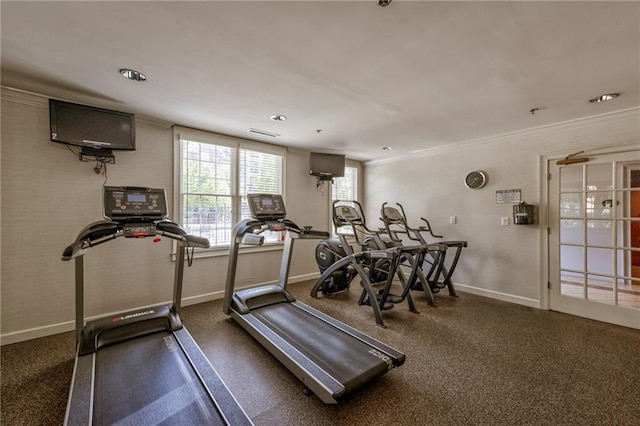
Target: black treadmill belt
{"points": [[148, 380], [347, 359]]}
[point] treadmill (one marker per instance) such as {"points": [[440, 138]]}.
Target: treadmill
{"points": [[331, 358], [142, 367]]}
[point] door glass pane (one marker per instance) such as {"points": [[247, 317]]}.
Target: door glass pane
{"points": [[600, 233], [599, 176], [572, 284], [571, 205], [571, 231], [600, 289], [599, 204], [571, 178], [600, 260], [571, 257]]}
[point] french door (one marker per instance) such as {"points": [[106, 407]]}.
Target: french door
{"points": [[594, 238]]}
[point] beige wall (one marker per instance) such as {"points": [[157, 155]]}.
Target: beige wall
{"points": [[501, 261], [48, 196]]}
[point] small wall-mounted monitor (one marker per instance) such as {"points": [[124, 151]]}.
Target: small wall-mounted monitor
{"points": [[91, 127], [326, 166]]}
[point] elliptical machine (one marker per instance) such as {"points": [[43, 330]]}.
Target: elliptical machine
{"points": [[328, 252], [348, 219], [439, 268], [375, 264]]}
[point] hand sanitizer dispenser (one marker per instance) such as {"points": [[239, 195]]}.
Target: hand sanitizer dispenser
{"points": [[523, 214]]}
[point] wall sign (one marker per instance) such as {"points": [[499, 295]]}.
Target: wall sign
{"points": [[505, 196]]}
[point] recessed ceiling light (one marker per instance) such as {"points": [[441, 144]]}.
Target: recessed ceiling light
{"points": [[388, 148], [605, 97], [133, 75], [278, 117]]}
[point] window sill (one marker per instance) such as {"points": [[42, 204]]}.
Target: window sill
{"points": [[224, 251]]}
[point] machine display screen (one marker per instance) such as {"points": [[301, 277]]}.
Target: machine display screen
{"points": [[134, 203], [136, 198], [266, 206]]}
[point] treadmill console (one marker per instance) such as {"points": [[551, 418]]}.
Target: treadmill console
{"points": [[265, 207], [134, 204]]}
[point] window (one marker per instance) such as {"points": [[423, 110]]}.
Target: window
{"points": [[344, 188], [215, 175]]}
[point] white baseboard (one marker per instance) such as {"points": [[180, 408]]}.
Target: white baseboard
{"points": [[63, 327], [35, 333], [492, 294], [49, 330]]}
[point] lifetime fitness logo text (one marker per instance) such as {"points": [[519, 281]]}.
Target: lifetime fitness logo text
{"points": [[134, 315]]}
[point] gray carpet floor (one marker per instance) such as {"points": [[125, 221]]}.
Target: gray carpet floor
{"points": [[470, 361]]}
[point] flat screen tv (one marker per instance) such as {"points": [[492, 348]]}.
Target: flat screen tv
{"points": [[326, 165], [91, 127]]}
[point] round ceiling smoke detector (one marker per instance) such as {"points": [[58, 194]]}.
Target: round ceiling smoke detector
{"points": [[133, 74]]}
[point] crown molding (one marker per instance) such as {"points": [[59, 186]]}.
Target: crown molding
{"points": [[616, 117]]}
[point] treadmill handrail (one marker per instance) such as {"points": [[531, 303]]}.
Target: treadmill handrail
{"points": [[91, 238]]}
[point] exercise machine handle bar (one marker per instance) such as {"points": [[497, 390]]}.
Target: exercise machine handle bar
{"points": [[353, 217], [422, 228], [400, 220], [427, 228], [248, 230], [105, 230]]}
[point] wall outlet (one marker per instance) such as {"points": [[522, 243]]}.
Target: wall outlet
{"points": [[504, 221], [453, 220]]}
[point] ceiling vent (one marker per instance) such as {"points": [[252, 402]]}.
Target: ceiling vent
{"points": [[263, 132]]}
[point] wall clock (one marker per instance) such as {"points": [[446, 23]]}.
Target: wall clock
{"points": [[476, 179]]}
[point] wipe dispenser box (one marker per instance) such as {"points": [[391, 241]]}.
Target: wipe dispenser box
{"points": [[523, 213]]}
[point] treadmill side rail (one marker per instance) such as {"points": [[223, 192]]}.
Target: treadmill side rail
{"points": [[323, 385], [80, 402], [220, 394]]}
